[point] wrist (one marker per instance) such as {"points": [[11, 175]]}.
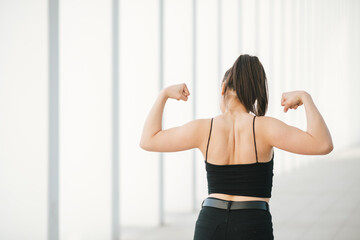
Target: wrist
{"points": [[305, 96], [163, 93]]}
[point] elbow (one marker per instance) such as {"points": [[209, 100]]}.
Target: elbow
{"points": [[143, 145], [327, 148], [330, 147], [148, 143]]}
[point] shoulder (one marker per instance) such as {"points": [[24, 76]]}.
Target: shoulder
{"points": [[267, 120], [267, 124], [203, 125], [199, 130], [199, 125], [200, 122], [277, 133]]}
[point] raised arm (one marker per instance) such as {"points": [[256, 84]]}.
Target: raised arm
{"points": [[316, 140], [174, 139]]}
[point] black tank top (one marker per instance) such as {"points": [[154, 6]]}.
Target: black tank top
{"points": [[253, 179]]}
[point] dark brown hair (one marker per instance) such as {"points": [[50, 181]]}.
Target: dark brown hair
{"points": [[248, 79]]}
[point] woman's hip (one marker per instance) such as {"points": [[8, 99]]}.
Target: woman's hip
{"points": [[248, 220]]}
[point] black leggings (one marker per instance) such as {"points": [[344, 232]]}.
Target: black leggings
{"points": [[221, 224]]}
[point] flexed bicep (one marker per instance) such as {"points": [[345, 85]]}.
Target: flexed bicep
{"points": [[292, 139], [179, 138]]}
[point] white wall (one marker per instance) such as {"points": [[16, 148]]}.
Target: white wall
{"points": [[23, 119], [85, 119], [139, 74]]}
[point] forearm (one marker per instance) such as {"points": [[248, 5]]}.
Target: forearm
{"points": [[153, 122], [316, 125]]}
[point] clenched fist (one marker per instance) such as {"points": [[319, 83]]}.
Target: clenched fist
{"points": [[292, 100], [178, 92]]}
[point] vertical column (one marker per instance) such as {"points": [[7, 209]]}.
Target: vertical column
{"points": [[282, 42], [293, 71], [194, 202], [239, 26], [138, 76], [85, 108], [257, 27], [219, 53], [25, 199], [281, 71], [115, 211], [53, 171], [271, 44], [272, 77], [161, 85]]}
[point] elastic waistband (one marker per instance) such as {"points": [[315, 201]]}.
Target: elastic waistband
{"points": [[235, 205]]}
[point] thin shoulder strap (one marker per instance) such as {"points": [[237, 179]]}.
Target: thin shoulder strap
{"points": [[208, 139], [254, 138]]}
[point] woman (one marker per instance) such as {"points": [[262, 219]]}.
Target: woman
{"points": [[239, 158]]}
